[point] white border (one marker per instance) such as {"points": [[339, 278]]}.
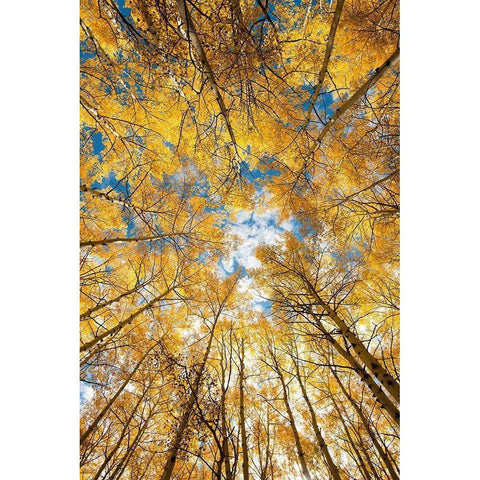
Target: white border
{"points": [[440, 246], [39, 219]]}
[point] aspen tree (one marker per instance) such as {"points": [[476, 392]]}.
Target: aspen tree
{"points": [[193, 117]]}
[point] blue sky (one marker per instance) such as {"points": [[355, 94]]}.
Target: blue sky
{"points": [[323, 105]]}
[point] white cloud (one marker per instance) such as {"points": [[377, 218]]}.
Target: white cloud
{"points": [[253, 229], [245, 285], [86, 393], [243, 216], [251, 292], [287, 225]]}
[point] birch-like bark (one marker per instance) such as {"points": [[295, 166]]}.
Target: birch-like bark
{"points": [[108, 241], [376, 390], [266, 448], [367, 456], [116, 201], [370, 82], [371, 363], [182, 426]]}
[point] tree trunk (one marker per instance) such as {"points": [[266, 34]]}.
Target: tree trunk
{"points": [[121, 437], [372, 364], [109, 302], [107, 407], [380, 450], [122, 465], [122, 203], [182, 426], [243, 432], [321, 442], [359, 459], [300, 452], [370, 82], [192, 37], [225, 448], [326, 59], [107, 241], [119, 326], [376, 390]]}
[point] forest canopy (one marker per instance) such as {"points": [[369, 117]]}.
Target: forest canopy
{"points": [[239, 250]]}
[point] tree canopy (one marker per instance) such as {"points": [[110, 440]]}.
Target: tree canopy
{"points": [[239, 251]]}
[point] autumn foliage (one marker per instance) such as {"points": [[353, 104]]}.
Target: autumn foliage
{"points": [[195, 364]]}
